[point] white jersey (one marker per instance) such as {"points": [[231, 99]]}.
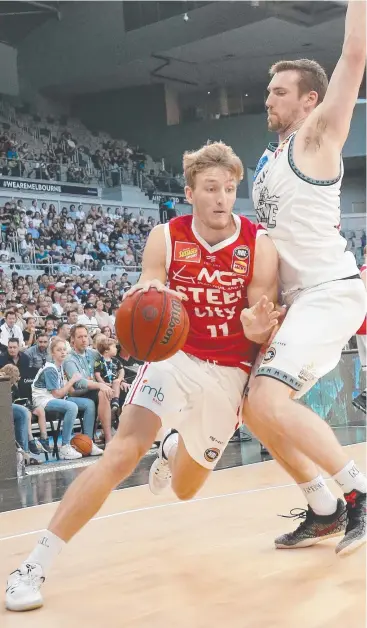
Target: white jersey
{"points": [[302, 216]]}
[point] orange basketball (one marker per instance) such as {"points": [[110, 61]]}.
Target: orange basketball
{"points": [[152, 326], [82, 443]]}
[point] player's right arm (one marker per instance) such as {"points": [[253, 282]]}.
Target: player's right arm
{"points": [[154, 273], [331, 119]]}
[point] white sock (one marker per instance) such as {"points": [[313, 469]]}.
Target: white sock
{"points": [[47, 549], [170, 446], [319, 497], [350, 478]]}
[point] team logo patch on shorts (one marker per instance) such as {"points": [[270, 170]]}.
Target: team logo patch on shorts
{"points": [[211, 455], [241, 260], [187, 252], [269, 355]]}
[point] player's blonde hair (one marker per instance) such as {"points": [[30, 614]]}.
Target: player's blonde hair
{"points": [[312, 76], [208, 156]]}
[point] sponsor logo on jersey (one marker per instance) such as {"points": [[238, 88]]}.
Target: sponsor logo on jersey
{"points": [[156, 394], [212, 454], [269, 355], [240, 260], [187, 252]]}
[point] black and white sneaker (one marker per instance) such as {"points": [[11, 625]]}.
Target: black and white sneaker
{"points": [[314, 528], [355, 533], [360, 402], [23, 588]]}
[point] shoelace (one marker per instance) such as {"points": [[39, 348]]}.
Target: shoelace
{"points": [[163, 471], [33, 580], [303, 514]]}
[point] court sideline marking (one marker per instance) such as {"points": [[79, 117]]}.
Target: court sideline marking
{"points": [[158, 506]]}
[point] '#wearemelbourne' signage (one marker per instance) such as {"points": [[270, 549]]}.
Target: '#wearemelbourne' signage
{"points": [[162, 197], [28, 185]]}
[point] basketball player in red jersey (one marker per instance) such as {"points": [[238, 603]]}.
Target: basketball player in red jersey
{"points": [[218, 263], [360, 401]]}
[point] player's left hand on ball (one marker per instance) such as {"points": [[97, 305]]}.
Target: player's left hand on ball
{"points": [[260, 318], [158, 285]]}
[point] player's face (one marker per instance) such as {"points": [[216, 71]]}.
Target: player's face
{"points": [[284, 104], [213, 197]]}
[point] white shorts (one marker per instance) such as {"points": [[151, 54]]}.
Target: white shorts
{"points": [[200, 399], [318, 325]]}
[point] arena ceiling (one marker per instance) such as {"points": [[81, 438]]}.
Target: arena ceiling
{"points": [[222, 43], [18, 19]]}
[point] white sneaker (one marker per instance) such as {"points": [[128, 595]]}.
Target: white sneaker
{"points": [[67, 452], [96, 451], [23, 588], [160, 474]]}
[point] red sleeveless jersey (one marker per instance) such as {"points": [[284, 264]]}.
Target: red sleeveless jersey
{"points": [[362, 331], [215, 280]]}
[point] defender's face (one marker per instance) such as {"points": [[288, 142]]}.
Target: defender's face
{"points": [[283, 104]]}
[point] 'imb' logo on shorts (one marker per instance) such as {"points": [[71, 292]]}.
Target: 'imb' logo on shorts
{"points": [[211, 455], [187, 252], [158, 396]]}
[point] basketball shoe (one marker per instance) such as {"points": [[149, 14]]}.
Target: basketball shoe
{"points": [[355, 533], [23, 588], [160, 474], [314, 528]]}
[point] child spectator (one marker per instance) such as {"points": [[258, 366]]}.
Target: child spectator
{"points": [[108, 370]]}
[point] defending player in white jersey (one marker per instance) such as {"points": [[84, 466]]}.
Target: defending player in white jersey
{"points": [[296, 193]]}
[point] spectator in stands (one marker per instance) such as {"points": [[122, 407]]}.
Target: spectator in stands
{"points": [[30, 333], [81, 360], [88, 319], [106, 331], [102, 317], [128, 258], [20, 413], [42, 256], [31, 444], [50, 391], [63, 333], [9, 330], [50, 324], [14, 356], [108, 370], [31, 308], [72, 317], [37, 354]]}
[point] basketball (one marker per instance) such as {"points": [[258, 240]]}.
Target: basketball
{"points": [[82, 443], [152, 326]]}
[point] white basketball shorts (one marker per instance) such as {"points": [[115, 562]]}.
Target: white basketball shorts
{"points": [[319, 323], [200, 399]]}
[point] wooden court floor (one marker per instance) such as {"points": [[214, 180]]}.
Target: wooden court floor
{"points": [[148, 562]]}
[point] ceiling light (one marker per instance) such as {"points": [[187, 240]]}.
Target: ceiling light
{"points": [[246, 95], [208, 92]]}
